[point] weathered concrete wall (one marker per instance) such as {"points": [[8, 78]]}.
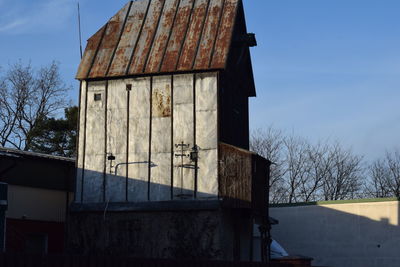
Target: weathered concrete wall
{"points": [[363, 234], [162, 234], [142, 124]]}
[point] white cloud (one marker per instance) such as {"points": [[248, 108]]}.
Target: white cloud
{"points": [[12, 25], [35, 16]]}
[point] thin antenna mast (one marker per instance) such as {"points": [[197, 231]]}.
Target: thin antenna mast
{"points": [[80, 35]]}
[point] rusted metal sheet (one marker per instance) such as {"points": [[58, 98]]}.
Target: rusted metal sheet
{"points": [[129, 37], [224, 37], [181, 23], [162, 35], [90, 53], [109, 44], [146, 38], [189, 48], [235, 176], [159, 36], [209, 34]]}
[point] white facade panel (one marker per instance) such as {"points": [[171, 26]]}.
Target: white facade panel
{"points": [[117, 101], [138, 177], [206, 91], [207, 134], [139, 133], [183, 134], [167, 110], [207, 183], [94, 148], [183, 89], [79, 171], [160, 175], [206, 129], [160, 182], [93, 179]]}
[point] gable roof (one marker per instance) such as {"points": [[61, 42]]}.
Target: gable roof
{"points": [[161, 36]]}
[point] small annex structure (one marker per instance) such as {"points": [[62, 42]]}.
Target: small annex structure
{"points": [[163, 166], [35, 192]]}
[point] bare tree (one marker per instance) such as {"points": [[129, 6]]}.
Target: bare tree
{"points": [[343, 177], [28, 96], [296, 165], [318, 167], [305, 172], [385, 176], [269, 144]]}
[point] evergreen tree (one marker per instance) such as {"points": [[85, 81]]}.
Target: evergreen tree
{"points": [[56, 136]]}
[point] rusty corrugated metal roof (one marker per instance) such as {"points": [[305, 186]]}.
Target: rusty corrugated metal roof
{"points": [[156, 36]]}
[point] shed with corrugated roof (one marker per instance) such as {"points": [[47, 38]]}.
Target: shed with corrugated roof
{"points": [[164, 111]]}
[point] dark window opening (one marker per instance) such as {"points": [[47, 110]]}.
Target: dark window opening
{"points": [[36, 243], [97, 97]]}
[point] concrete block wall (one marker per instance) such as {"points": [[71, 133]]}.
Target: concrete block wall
{"points": [[199, 234]]}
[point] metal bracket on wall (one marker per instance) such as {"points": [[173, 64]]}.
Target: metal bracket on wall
{"points": [[185, 151]]}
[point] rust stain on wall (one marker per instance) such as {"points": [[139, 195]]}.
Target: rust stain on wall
{"points": [[161, 102]]}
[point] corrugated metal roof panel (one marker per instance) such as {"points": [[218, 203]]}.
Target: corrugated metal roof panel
{"points": [[161, 38], [188, 51], [171, 57], [224, 37], [109, 43], [129, 38], [208, 35], [155, 36]]}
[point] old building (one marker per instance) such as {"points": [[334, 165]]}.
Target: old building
{"points": [[39, 190], [163, 166]]}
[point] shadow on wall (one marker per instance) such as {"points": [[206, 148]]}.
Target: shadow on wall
{"points": [[364, 234], [107, 188]]}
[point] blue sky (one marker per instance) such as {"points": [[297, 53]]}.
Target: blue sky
{"points": [[324, 69]]}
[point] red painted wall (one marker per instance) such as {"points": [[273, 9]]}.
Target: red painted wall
{"points": [[17, 231]]}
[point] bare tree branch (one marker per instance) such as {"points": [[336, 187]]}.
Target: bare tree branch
{"points": [[26, 97]]}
